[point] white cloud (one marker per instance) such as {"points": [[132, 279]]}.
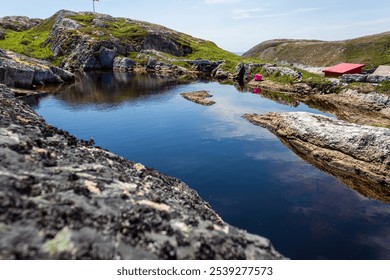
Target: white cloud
{"points": [[247, 13], [292, 12], [221, 1]]}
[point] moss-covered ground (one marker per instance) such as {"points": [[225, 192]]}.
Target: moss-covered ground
{"points": [[31, 42]]}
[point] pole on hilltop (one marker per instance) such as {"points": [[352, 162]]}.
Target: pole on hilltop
{"points": [[93, 4]]}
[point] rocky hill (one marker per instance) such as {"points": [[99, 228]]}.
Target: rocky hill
{"points": [[371, 50], [91, 41]]}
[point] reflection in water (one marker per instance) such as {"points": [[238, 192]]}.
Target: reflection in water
{"points": [[366, 187], [250, 178], [110, 89], [280, 97]]}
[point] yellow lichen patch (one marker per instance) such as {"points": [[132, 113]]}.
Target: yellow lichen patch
{"points": [[92, 187], [157, 206], [26, 62], [139, 167], [125, 187], [60, 243]]}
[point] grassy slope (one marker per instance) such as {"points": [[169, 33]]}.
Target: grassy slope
{"points": [[30, 42], [371, 50], [209, 50]]}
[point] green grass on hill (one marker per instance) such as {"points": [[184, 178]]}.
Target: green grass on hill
{"points": [[209, 50], [384, 88], [371, 50], [31, 42], [119, 28], [372, 53]]}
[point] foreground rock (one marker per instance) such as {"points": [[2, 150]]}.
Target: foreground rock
{"points": [[199, 97], [24, 72], [359, 156], [61, 198]]}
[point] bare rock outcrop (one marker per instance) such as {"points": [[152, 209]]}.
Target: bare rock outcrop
{"points": [[357, 155], [17, 70], [61, 198], [19, 23]]}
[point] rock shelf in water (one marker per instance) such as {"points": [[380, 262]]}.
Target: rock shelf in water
{"points": [[357, 155], [199, 97]]}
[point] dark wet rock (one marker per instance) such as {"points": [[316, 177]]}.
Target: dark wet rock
{"points": [[21, 71], [18, 23], [62, 198], [242, 72], [204, 66], [106, 58], [199, 97], [219, 73], [359, 156], [91, 63], [163, 43]]}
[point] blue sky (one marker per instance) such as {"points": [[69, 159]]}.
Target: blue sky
{"points": [[235, 25]]}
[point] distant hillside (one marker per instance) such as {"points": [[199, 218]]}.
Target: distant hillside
{"points": [[371, 50], [90, 41]]}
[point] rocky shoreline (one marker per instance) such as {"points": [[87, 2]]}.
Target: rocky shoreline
{"points": [[359, 156], [62, 198]]}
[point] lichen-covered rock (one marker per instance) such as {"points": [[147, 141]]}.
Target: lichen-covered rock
{"points": [[358, 155], [61, 198], [353, 78], [363, 78], [123, 64], [376, 79], [283, 71], [18, 23], [21, 71]]}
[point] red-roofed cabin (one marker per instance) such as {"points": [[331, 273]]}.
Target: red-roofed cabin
{"points": [[343, 68]]}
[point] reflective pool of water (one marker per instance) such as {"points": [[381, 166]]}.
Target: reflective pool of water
{"points": [[248, 176]]}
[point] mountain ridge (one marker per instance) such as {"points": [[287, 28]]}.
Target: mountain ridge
{"points": [[372, 50]]}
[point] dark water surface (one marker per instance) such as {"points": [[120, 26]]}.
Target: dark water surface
{"points": [[252, 180]]}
